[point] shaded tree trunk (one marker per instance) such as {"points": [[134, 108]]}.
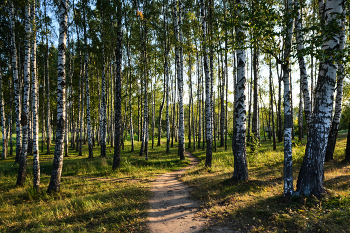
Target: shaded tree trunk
{"points": [[118, 91], [22, 170], [55, 181]]}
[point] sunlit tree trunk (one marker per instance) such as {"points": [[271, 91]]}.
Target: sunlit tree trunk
{"points": [[239, 139], [287, 105], [55, 181], [179, 69], [332, 138], [35, 109], [311, 175], [271, 106]]}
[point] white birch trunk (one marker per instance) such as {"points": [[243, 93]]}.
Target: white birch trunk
{"points": [[16, 84], [239, 139], [3, 120], [55, 181], [302, 67], [103, 117], [288, 118], [35, 109], [22, 170], [311, 175], [88, 112], [332, 139], [118, 86], [209, 135]]}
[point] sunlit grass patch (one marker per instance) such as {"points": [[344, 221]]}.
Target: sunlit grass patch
{"points": [[93, 197], [258, 205]]}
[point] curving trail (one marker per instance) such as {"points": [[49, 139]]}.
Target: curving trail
{"points": [[172, 209]]}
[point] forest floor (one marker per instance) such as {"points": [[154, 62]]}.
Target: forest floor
{"points": [[93, 198]]}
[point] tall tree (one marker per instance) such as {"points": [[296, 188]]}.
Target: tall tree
{"points": [[35, 107], [208, 112], [239, 144], [16, 84], [288, 120], [48, 115], [22, 170], [103, 118], [311, 175], [55, 181], [86, 64], [118, 86], [179, 69]]}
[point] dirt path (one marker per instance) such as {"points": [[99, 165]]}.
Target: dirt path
{"points": [[172, 210]]}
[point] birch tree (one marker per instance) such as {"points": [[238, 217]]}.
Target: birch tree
{"points": [[239, 139], [55, 181], [22, 170], [3, 119], [311, 175], [118, 86], [103, 118], [332, 138], [35, 108], [16, 83], [88, 119], [208, 113], [288, 120]]}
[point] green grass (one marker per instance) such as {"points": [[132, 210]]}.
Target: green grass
{"points": [[95, 198], [92, 198], [258, 205]]}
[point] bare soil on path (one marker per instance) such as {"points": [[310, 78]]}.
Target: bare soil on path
{"points": [[172, 209]]}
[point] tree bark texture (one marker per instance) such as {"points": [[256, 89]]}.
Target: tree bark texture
{"points": [[239, 139], [311, 175], [22, 170], [55, 181], [118, 89]]}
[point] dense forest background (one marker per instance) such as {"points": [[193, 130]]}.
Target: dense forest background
{"points": [[202, 74]]}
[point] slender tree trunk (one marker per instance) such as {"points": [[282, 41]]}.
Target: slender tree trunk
{"points": [[88, 112], [255, 121], [35, 109], [179, 64], [118, 86], [16, 84], [208, 114], [239, 144], [190, 101], [222, 101], [302, 67], [22, 170], [287, 105], [332, 138], [311, 175], [55, 181], [199, 72], [48, 114], [3, 120], [103, 118], [271, 106]]}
